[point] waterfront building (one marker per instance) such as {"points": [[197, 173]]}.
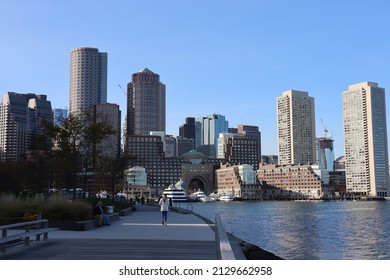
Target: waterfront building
{"points": [[289, 181], [88, 79], [365, 140], [251, 131], [296, 128], [136, 176], [237, 180], [136, 183], [21, 117], [236, 148], [109, 114], [337, 182], [195, 168], [207, 133], [148, 153], [198, 172], [145, 103]]}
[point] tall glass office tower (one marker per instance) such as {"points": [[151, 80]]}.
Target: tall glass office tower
{"points": [[365, 140], [207, 130], [325, 153], [88, 79]]}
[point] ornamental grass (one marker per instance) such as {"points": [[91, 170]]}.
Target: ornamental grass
{"points": [[55, 208]]}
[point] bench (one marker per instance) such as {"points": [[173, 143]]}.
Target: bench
{"points": [[23, 232]]}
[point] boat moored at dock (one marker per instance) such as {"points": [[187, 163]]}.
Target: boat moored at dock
{"points": [[176, 194]]}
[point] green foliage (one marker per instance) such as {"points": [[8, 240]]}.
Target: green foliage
{"points": [[12, 209], [55, 208], [59, 209]]}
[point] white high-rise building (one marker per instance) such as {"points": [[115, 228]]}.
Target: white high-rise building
{"points": [[365, 134], [88, 79], [296, 128]]}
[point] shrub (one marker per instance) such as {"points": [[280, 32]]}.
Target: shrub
{"points": [[55, 208], [60, 209], [12, 209]]}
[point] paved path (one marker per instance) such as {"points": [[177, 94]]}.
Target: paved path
{"points": [[138, 236]]}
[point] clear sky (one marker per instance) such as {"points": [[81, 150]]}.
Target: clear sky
{"points": [[215, 56]]}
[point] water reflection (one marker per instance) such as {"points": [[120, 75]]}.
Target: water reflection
{"points": [[309, 230]]}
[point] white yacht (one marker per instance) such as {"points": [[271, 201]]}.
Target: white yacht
{"points": [[176, 194], [226, 197], [198, 196]]}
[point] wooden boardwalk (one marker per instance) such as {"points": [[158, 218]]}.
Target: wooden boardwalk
{"points": [[110, 249], [139, 236]]}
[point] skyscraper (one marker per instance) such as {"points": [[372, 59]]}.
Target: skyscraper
{"points": [[325, 153], [111, 115], [21, 118], [251, 131], [145, 103], [365, 140], [187, 130], [88, 79], [207, 130], [296, 128]]}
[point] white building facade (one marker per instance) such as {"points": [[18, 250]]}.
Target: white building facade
{"points": [[88, 79], [365, 140], [296, 128]]}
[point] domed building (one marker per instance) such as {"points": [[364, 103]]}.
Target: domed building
{"points": [[198, 171], [194, 157]]}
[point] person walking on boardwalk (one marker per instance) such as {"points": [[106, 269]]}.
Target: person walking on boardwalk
{"points": [[164, 207]]}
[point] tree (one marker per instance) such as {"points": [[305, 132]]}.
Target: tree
{"points": [[75, 146]]}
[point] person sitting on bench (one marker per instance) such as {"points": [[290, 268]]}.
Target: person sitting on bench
{"points": [[102, 219]]}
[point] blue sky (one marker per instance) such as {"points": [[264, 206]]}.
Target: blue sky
{"points": [[222, 56]]}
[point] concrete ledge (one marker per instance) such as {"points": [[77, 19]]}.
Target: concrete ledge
{"points": [[113, 217], [126, 211], [224, 247], [82, 225], [85, 225]]}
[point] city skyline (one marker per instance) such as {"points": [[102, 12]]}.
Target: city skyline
{"points": [[228, 57]]}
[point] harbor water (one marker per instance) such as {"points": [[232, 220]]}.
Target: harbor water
{"points": [[307, 230]]}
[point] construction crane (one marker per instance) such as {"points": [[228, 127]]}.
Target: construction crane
{"points": [[122, 89], [325, 129]]}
